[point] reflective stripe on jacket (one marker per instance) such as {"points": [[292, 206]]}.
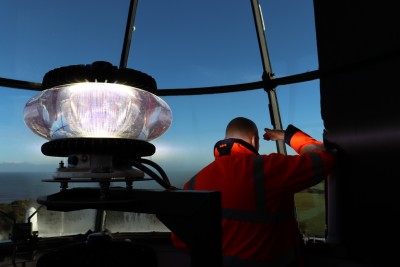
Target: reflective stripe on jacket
{"points": [[259, 227]]}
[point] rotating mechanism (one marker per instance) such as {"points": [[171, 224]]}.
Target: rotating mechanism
{"points": [[102, 160]]}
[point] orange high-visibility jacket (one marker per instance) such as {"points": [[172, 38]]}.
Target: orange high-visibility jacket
{"points": [[259, 226]]}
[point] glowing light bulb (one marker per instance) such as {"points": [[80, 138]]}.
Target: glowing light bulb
{"points": [[103, 110]]}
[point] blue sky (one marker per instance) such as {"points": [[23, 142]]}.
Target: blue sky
{"points": [[182, 44]]}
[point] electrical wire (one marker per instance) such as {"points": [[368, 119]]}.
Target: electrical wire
{"points": [[164, 183]]}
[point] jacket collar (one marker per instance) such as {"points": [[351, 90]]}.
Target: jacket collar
{"points": [[233, 146]]}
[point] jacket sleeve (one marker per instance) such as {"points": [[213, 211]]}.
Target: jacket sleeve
{"points": [[300, 141], [298, 172]]}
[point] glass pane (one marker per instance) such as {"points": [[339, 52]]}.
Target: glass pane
{"points": [[42, 35], [56, 223], [182, 44], [300, 106], [133, 222], [311, 215]]}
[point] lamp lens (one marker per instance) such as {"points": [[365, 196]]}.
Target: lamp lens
{"points": [[93, 109]]}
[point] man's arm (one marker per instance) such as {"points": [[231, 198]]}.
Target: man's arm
{"points": [[298, 140]]}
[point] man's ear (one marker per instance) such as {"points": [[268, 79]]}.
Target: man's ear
{"points": [[255, 142]]}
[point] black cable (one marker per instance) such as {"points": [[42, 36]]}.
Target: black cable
{"points": [[158, 168], [152, 174]]}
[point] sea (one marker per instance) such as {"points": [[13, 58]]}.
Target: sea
{"points": [[25, 185]]}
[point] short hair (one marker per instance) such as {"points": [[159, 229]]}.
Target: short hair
{"points": [[239, 127]]}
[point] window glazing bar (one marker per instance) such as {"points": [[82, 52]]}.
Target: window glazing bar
{"points": [[128, 33], [267, 74]]}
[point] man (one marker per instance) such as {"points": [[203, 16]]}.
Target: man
{"points": [[259, 226]]}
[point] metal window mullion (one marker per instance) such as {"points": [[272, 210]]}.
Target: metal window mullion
{"points": [[268, 74], [128, 33]]}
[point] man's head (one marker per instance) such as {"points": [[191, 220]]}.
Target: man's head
{"points": [[245, 129]]}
